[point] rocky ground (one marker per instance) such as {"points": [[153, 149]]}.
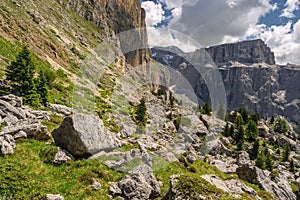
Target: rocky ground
{"points": [[197, 138]]}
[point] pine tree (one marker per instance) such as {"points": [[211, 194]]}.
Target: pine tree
{"points": [[292, 166], [42, 88], [269, 162], [286, 153], [255, 149], [206, 109], [281, 125], [260, 161], [141, 113], [239, 121], [226, 130], [20, 75], [252, 131], [244, 114], [272, 120], [231, 131]]}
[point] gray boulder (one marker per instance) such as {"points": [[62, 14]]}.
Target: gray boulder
{"points": [[54, 197], [279, 189], [84, 135], [139, 184]]}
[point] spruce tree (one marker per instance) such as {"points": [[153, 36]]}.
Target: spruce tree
{"points": [[239, 121], [260, 161], [286, 153], [141, 113], [206, 109], [231, 131], [255, 149], [292, 166], [226, 130], [20, 75], [269, 162], [42, 88], [252, 131]]}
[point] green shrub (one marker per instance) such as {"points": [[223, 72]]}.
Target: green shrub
{"points": [[281, 125]]}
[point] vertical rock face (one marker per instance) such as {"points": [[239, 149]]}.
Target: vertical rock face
{"points": [[247, 52], [116, 16], [251, 79]]}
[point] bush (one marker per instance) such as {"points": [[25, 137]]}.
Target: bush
{"points": [[141, 113]]}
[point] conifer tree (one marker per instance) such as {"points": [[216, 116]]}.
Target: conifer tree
{"points": [[260, 161], [206, 109], [226, 130], [20, 75], [269, 162], [42, 88], [252, 131], [255, 149], [141, 115]]}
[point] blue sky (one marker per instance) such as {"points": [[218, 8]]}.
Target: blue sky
{"points": [[212, 22]]}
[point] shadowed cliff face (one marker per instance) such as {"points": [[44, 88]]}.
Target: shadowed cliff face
{"points": [[118, 16], [249, 81]]}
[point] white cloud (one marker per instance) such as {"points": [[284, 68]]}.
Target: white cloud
{"points": [[283, 40], [165, 37], [290, 7], [154, 13], [214, 21]]}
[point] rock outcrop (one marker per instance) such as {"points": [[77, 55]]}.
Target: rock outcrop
{"points": [[279, 189], [246, 52], [84, 135], [139, 184]]}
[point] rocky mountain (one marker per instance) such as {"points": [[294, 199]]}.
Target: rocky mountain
{"points": [[251, 78], [123, 139]]}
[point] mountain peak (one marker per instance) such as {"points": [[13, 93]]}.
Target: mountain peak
{"points": [[246, 52]]}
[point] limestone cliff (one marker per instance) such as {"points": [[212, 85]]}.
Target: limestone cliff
{"points": [[251, 80], [64, 31], [247, 52]]}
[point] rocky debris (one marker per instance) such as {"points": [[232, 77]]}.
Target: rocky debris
{"points": [[60, 109], [62, 156], [124, 158], [139, 183], [7, 145], [32, 127], [84, 135], [280, 188], [215, 147], [223, 163], [21, 121], [54, 197], [243, 158], [96, 185], [20, 134], [283, 141]]}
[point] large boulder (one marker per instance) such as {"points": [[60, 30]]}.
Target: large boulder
{"points": [[84, 135], [280, 189], [138, 184]]}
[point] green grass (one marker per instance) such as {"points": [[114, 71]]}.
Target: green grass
{"points": [[25, 175], [55, 121], [129, 147]]}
